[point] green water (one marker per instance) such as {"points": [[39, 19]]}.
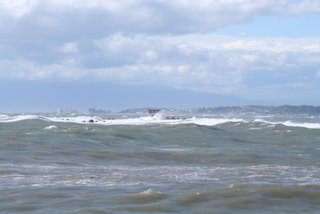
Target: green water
{"points": [[232, 167]]}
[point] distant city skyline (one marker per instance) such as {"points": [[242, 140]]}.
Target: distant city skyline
{"points": [[123, 54]]}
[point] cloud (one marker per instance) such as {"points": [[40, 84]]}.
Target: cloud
{"points": [[17, 8], [70, 47], [276, 45], [154, 42], [29, 70], [145, 59], [98, 18], [34, 30]]}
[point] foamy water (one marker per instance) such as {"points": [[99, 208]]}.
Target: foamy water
{"points": [[157, 119], [85, 164]]}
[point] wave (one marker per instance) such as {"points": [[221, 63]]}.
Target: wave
{"points": [[292, 124], [17, 118], [148, 120], [50, 127], [148, 195], [155, 120]]}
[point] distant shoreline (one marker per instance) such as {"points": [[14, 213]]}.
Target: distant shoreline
{"points": [[241, 110]]}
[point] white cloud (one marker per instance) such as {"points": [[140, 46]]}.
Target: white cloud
{"points": [[145, 16], [277, 45], [151, 42], [304, 6], [18, 8], [70, 47], [144, 59]]}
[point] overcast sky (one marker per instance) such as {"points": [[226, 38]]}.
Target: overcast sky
{"points": [[254, 49]]}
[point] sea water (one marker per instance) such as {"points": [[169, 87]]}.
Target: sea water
{"points": [[82, 164]]}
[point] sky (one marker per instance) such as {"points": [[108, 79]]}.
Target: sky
{"points": [[112, 54]]}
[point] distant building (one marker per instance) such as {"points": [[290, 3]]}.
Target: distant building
{"points": [[66, 111]]}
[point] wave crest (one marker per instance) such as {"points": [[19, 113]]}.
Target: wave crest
{"points": [[155, 120]]}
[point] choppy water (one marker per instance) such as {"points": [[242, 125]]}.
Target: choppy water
{"points": [[155, 165]]}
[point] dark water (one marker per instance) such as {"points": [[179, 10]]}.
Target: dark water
{"points": [[231, 167]]}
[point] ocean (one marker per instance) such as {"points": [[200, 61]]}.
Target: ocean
{"points": [[143, 164]]}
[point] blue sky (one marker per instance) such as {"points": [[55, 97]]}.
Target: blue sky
{"points": [[255, 51]]}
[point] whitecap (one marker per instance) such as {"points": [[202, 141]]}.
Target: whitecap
{"points": [[148, 192], [50, 127], [9, 119], [291, 124], [211, 121], [303, 125], [255, 128]]}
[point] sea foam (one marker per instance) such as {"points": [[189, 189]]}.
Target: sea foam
{"points": [[292, 124], [16, 118], [50, 127], [153, 120]]}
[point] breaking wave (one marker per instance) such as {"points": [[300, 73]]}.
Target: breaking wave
{"points": [[293, 124], [155, 120]]}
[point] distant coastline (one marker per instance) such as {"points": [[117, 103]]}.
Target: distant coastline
{"points": [[245, 110]]}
